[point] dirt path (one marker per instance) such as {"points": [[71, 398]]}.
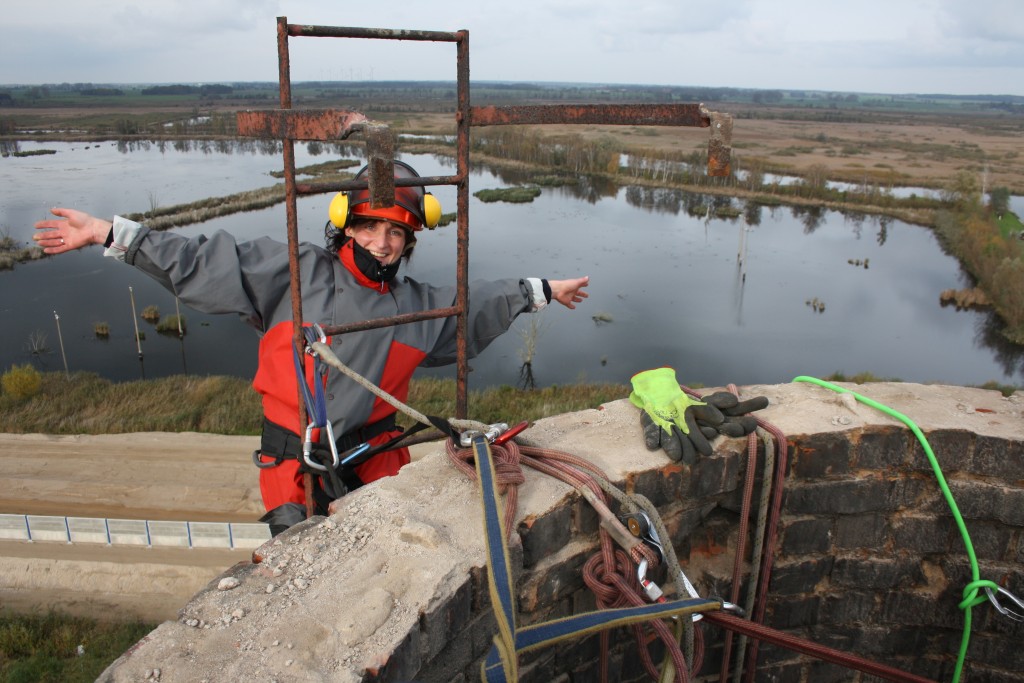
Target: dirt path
{"points": [[152, 475], [192, 477]]}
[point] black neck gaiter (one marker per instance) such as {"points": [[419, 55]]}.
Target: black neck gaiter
{"points": [[371, 267]]}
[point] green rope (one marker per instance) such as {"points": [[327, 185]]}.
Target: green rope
{"points": [[971, 596]]}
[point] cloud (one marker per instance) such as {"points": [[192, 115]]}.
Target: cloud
{"points": [[802, 44]]}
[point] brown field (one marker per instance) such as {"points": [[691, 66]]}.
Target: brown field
{"points": [[901, 148], [905, 150]]}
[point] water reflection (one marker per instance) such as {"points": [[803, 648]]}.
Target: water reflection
{"points": [[720, 298], [225, 146]]}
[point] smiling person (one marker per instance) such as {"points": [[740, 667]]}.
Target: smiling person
{"points": [[354, 278]]}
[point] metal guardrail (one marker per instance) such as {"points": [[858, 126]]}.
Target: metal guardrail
{"points": [[132, 532]]}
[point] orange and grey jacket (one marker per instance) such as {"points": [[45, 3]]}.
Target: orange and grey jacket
{"points": [[251, 279]]}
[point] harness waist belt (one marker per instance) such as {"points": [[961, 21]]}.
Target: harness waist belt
{"points": [[283, 444]]}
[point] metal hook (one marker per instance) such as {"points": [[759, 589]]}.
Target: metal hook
{"points": [[1016, 616], [493, 431]]}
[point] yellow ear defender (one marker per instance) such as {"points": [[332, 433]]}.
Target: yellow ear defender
{"points": [[338, 210], [431, 210]]}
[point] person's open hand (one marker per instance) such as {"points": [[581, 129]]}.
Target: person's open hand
{"points": [[569, 292], [73, 230]]}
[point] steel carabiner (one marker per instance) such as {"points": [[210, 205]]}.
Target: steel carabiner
{"points": [[1009, 613]]}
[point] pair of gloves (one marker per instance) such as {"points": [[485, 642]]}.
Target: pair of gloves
{"points": [[682, 425]]}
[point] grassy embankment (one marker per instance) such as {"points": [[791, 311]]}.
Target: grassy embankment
{"points": [[56, 648], [84, 403]]}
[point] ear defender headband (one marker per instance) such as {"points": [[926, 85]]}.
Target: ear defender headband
{"points": [[414, 207]]}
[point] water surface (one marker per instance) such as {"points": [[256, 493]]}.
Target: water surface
{"points": [[762, 298]]}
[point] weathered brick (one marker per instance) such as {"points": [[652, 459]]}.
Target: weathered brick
{"points": [[804, 536], [848, 496], [826, 672], [912, 609], [682, 522], [883, 448], [783, 673], [875, 573], [480, 632], [923, 535], [793, 612], [991, 540], [404, 662], [450, 663], [873, 642], [552, 581], [445, 618], [799, 577], [952, 448], [585, 521], [1006, 651], [540, 666], [861, 531], [1009, 506], [710, 539], [713, 476], [823, 455], [976, 500], [847, 606], [544, 535], [1000, 459], [662, 486]]}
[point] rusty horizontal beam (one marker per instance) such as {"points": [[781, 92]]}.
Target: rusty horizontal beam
{"points": [[302, 30], [403, 319], [613, 114], [301, 124]]}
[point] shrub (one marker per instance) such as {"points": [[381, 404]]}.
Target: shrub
{"points": [[101, 329], [151, 314], [169, 325], [22, 381]]}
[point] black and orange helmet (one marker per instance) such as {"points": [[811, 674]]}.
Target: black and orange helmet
{"points": [[414, 207]]}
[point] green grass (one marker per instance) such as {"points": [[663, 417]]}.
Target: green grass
{"points": [[85, 403], [515, 195], [1010, 225], [55, 648]]}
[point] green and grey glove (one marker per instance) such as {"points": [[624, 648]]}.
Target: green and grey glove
{"points": [[737, 422], [670, 417]]}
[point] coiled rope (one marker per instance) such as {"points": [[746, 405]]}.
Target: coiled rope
{"points": [[611, 572]]}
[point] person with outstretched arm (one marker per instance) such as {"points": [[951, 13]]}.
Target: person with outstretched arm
{"points": [[354, 277]]}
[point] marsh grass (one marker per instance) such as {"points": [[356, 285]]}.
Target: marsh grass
{"points": [[172, 324], [85, 403], [54, 648], [514, 195], [151, 313]]}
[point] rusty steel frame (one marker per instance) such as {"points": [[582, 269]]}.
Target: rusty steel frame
{"points": [[290, 125]]}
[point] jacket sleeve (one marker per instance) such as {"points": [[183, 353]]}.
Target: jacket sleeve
{"points": [[212, 275], [493, 305]]}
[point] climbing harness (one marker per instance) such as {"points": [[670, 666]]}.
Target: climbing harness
{"points": [[316, 404]]}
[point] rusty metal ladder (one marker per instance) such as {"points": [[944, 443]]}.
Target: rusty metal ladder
{"points": [[290, 125]]}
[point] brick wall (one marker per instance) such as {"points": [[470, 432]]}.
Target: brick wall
{"points": [[868, 561]]}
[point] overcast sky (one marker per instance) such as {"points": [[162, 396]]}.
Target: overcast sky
{"points": [[887, 46]]}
